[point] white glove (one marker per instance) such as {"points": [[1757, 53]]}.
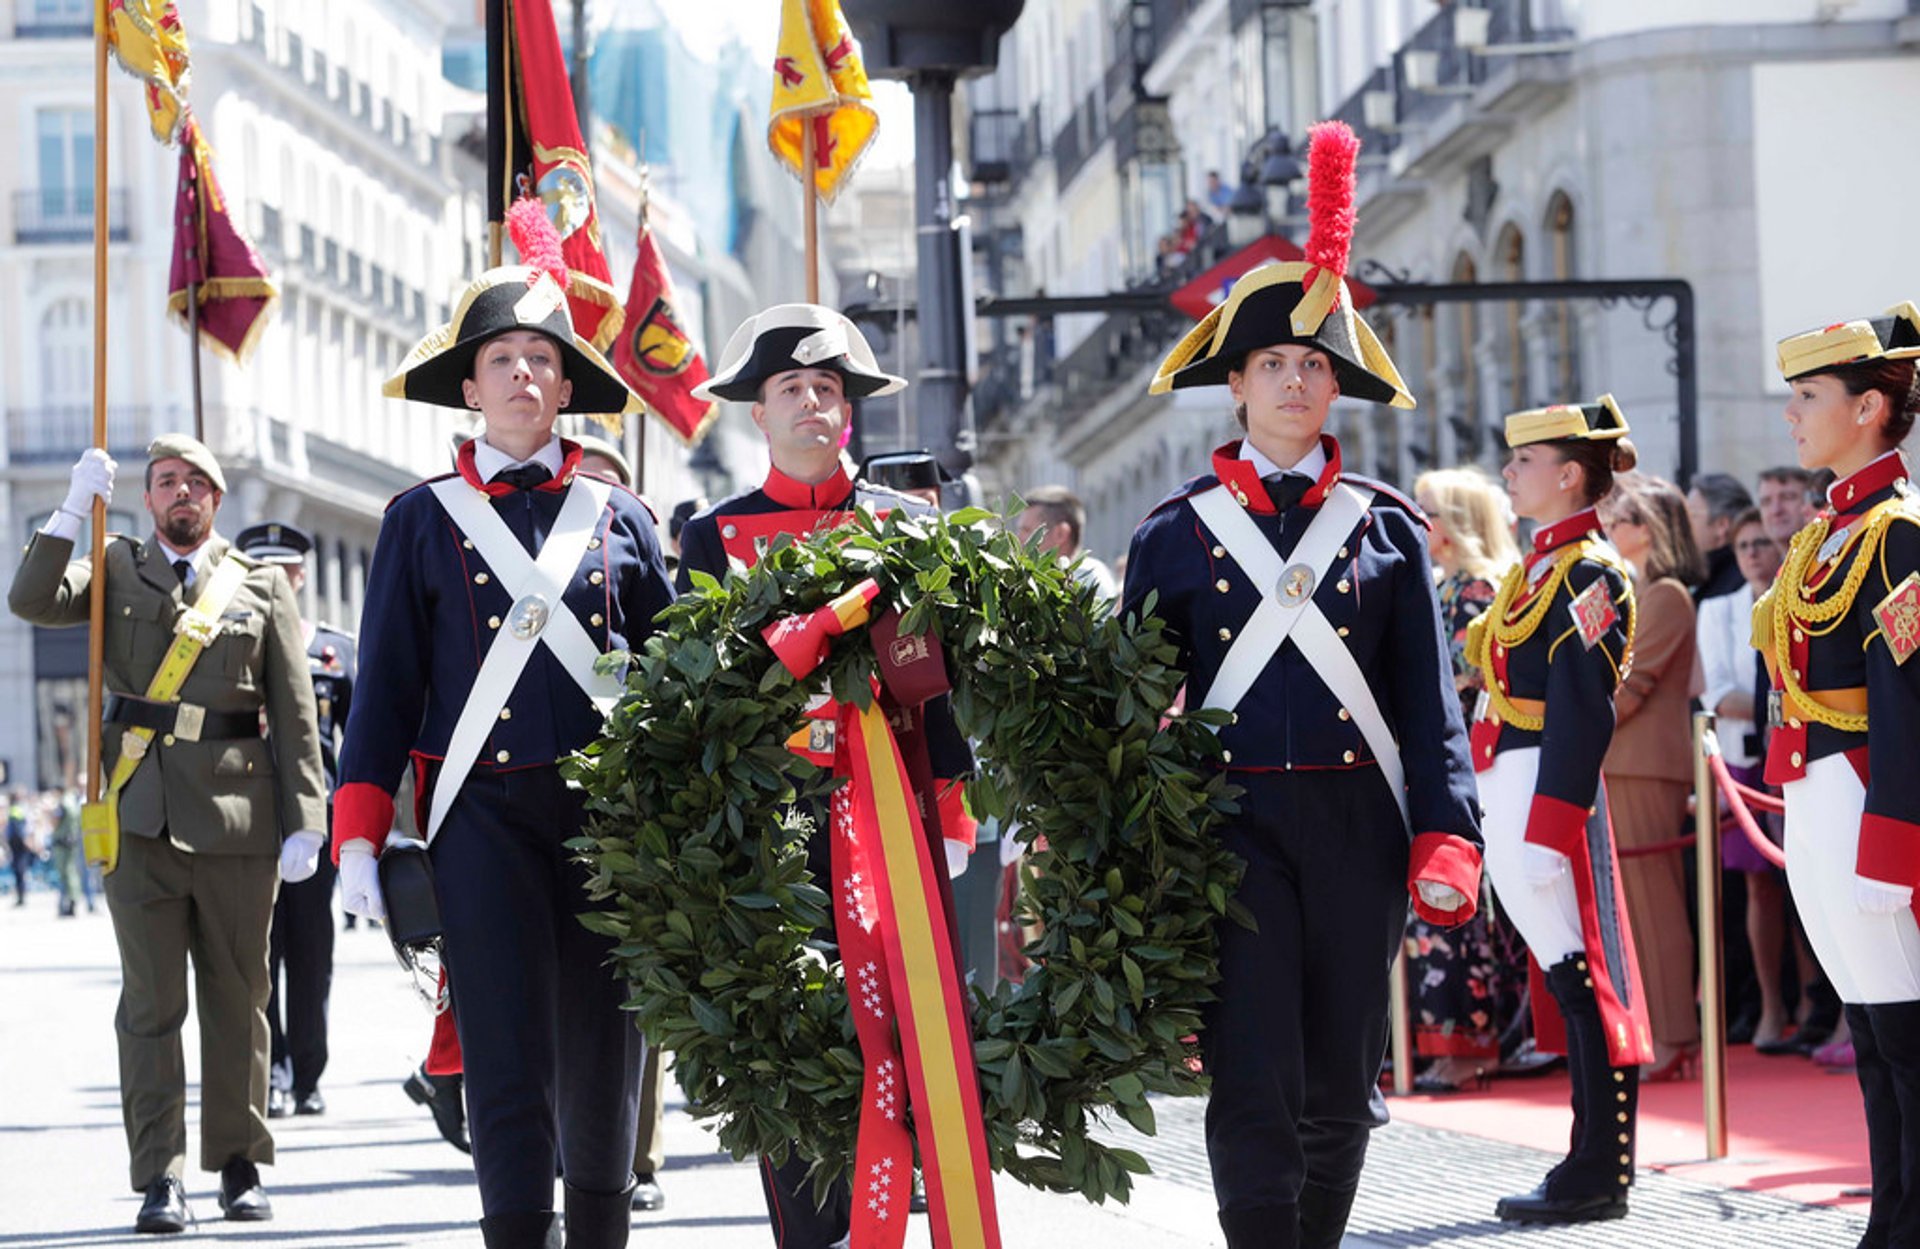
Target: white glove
{"points": [[360, 881], [300, 855], [92, 476], [1877, 897], [958, 852], [1541, 865], [1440, 897]]}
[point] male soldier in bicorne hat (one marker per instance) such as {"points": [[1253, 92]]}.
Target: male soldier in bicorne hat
{"points": [[201, 801]]}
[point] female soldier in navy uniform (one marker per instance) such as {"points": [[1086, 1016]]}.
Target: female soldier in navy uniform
{"points": [[1839, 631], [1552, 648], [1346, 733], [477, 671]]}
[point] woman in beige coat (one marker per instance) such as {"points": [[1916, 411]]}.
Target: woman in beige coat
{"points": [[1648, 768]]}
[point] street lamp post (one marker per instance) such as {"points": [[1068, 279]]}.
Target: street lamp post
{"points": [[931, 47]]}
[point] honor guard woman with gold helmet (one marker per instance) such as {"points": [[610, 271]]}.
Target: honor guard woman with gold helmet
{"points": [[1552, 649], [1839, 631], [494, 593], [1302, 601]]}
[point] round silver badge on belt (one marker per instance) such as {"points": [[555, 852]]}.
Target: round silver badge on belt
{"points": [[1296, 585], [529, 616]]}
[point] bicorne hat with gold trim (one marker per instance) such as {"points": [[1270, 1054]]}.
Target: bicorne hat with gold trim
{"points": [[1298, 301], [1893, 335], [796, 336], [1599, 421], [530, 296]]}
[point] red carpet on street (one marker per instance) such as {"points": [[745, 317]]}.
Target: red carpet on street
{"points": [[1795, 1129]]}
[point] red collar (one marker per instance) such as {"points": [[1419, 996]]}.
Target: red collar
{"points": [[1579, 525], [1847, 494], [1242, 479], [569, 465], [821, 496]]}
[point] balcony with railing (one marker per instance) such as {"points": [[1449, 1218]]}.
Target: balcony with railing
{"points": [[1075, 142], [58, 434], [52, 19], [65, 215]]}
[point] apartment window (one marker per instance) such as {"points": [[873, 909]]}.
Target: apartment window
{"points": [[332, 253], [379, 287], [59, 14], [309, 245], [1565, 346], [353, 269], [296, 54], [66, 354], [64, 139], [1510, 253]]}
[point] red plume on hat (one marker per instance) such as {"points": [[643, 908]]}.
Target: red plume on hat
{"points": [[1332, 150], [535, 238]]}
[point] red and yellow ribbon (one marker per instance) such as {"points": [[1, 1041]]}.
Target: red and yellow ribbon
{"points": [[903, 975]]}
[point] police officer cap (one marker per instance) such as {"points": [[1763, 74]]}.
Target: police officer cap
{"points": [[274, 542], [193, 451], [906, 470]]}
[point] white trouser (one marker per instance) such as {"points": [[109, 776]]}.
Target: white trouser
{"points": [[1547, 916], [1869, 958]]}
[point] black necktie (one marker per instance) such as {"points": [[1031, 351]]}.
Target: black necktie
{"points": [[525, 477], [181, 568], [1286, 489]]}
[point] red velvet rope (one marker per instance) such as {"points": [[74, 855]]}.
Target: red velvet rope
{"points": [[1738, 796], [1658, 847]]}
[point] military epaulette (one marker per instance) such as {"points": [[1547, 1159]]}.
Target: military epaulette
{"points": [[1205, 481], [419, 485], [1388, 494]]}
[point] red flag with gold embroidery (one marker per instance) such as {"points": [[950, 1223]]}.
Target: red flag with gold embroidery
{"points": [[547, 157], [236, 295], [820, 81], [653, 352]]}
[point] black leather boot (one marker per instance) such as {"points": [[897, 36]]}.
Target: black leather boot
{"points": [[521, 1229], [599, 1220], [1590, 1184], [1887, 1060], [1263, 1227]]}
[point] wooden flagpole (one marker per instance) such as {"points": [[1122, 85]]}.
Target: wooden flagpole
{"points": [[97, 583], [811, 194]]}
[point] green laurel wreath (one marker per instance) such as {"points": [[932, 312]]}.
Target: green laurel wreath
{"points": [[692, 843]]}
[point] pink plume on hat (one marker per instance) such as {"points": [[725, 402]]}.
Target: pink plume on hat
{"points": [[1331, 152], [535, 238]]}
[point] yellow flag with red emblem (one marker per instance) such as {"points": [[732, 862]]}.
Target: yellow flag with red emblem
{"points": [[820, 81], [147, 39]]}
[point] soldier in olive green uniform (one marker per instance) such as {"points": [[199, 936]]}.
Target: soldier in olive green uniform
{"points": [[211, 817]]}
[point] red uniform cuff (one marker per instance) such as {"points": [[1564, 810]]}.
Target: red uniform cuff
{"points": [[1889, 850], [361, 812], [1557, 825], [1444, 859]]}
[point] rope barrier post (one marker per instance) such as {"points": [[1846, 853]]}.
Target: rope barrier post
{"points": [[1713, 1019], [1402, 1024]]}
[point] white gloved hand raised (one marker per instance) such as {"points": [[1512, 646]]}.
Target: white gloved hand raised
{"points": [[92, 476], [958, 852], [1877, 897], [1541, 865], [300, 855], [360, 881], [1440, 897]]}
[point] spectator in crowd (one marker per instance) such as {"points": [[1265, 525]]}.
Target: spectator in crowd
{"points": [[1712, 503], [19, 849], [1219, 194], [1649, 766], [1058, 516], [69, 870], [1786, 505], [1467, 982]]}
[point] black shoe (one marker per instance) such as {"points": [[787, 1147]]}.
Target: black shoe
{"points": [[165, 1209], [647, 1194], [241, 1197], [1537, 1207], [278, 1104], [443, 1096], [309, 1103]]}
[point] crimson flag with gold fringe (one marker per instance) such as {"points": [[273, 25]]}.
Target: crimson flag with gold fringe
{"points": [[653, 352], [212, 256]]}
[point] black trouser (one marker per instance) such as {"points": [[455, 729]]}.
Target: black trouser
{"points": [[552, 1062], [797, 1221], [302, 943], [1296, 1037], [1886, 1047]]}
